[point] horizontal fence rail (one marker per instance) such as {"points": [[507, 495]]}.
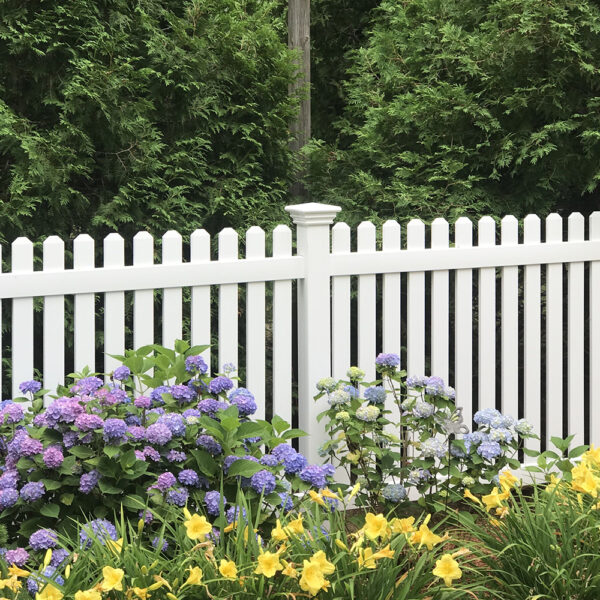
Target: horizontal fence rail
{"points": [[505, 312]]}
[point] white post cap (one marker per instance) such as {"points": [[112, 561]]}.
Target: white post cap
{"points": [[313, 213]]}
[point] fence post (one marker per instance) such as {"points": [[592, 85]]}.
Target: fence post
{"points": [[312, 222]]}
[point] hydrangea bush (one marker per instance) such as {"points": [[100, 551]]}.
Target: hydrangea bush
{"points": [[159, 432], [429, 448]]}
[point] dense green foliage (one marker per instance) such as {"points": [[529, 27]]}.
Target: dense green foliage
{"points": [[150, 115], [468, 107]]}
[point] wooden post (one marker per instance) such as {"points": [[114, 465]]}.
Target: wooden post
{"points": [[299, 39]]}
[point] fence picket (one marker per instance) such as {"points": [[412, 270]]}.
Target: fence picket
{"points": [[22, 318], [228, 303], [440, 304], [366, 234], [340, 306], [415, 304], [282, 330], [54, 318], [172, 304], [532, 328], [594, 335], [554, 335], [510, 323], [114, 306], [84, 324], [463, 234], [200, 302], [576, 291], [255, 324], [486, 238], [143, 300]]}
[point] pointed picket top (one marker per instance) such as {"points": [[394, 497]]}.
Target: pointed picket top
{"points": [[509, 230], [83, 251], [554, 228], [391, 233], [486, 231], [53, 253], [340, 238], [255, 242], [114, 250], [440, 233], [228, 244], [595, 225], [172, 247], [22, 254], [199, 245], [532, 226], [143, 248], [415, 234], [282, 241], [463, 232], [366, 236], [576, 226]]}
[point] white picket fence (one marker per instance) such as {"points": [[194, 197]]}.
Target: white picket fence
{"points": [[438, 278]]}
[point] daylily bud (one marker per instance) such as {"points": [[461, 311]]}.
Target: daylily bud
{"points": [[67, 571], [47, 557], [140, 526]]}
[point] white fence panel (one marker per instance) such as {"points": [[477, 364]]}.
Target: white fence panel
{"points": [[114, 305], [143, 300], [340, 306], [594, 337], [200, 313], [172, 307], [415, 320], [367, 298], [440, 305], [85, 315], [228, 303]]}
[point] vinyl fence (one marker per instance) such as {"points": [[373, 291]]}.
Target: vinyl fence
{"points": [[512, 321]]}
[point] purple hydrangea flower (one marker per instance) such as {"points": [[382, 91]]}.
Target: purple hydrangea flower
{"points": [[434, 386], [140, 455], [99, 529], [59, 556], [86, 422], [286, 501], [244, 400], [133, 420], [88, 481], [387, 360], [263, 482], [219, 384], [30, 446], [40, 420], [229, 460], [53, 457], [416, 381], [70, 439], [165, 481], [9, 479], [157, 393], [164, 544], [122, 373], [137, 433], [352, 391], [209, 443], [177, 497], [375, 394], [233, 513], [196, 364], [11, 414], [294, 463], [151, 453], [158, 433], [176, 456], [182, 393], [31, 387], [18, 556], [282, 450], [32, 491], [143, 402], [489, 450], [8, 498], [269, 460], [87, 386], [211, 407], [213, 502], [189, 477], [315, 475], [147, 516], [43, 539], [114, 430], [174, 421]]}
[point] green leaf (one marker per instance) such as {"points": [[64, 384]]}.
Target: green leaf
{"points": [[293, 433], [206, 463], [245, 468], [51, 484], [50, 510], [108, 488], [67, 499], [133, 502], [279, 424], [81, 451], [128, 459], [110, 451], [250, 429]]}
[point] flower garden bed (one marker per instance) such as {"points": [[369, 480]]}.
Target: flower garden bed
{"points": [[140, 488]]}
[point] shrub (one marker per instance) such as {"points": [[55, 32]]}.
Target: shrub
{"points": [[162, 432], [429, 449]]}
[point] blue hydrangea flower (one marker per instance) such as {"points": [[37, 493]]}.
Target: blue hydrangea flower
{"points": [[502, 422], [122, 373], [282, 450], [34, 581], [30, 387], [196, 364], [177, 497], [489, 450], [87, 386], [422, 409], [523, 427], [269, 460], [114, 430], [387, 360], [315, 475], [88, 481], [174, 421], [263, 482], [375, 394], [220, 384], [213, 502], [501, 435], [434, 386], [486, 416], [286, 501], [450, 392], [98, 529], [352, 390], [394, 492], [416, 381], [9, 479], [159, 434], [157, 393], [294, 463], [244, 400], [211, 407], [233, 513], [164, 481], [164, 544], [473, 439], [42, 539], [59, 557], [8, 498], [33, 491], [432, 447], [209, 443], [189, 477], [182, 393]]}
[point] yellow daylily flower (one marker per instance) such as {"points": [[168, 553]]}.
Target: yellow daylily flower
{"points": [[315, 497], [15, 571], [403, 525], [278, 533], [341, 545], [49, 592], [494, 499], [197, 527], [141, 593], [385, 552], [47, 557], [447, 569], [375, 526], [365, 558], [584, 480], [507, 480], [295, 526], [228, 569], [113, 579], [289, 570], [12, 583], [115, 546], [91, 594], [321, 559], [354, 491], [312, 580], [592, 456], [268, 564], [502, 511], [195, 577], [327, 493], [425, 536], [470, 496]]}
